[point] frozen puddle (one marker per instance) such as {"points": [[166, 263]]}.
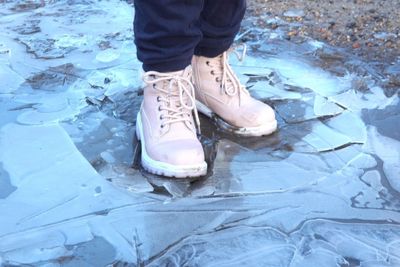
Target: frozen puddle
{"points": [[322, 191]]}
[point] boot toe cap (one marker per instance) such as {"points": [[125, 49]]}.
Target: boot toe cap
{"points": [[258, 114], [265, 115], [183, 152]]}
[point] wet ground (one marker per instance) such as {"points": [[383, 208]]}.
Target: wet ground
{"points": [[322, 191]]}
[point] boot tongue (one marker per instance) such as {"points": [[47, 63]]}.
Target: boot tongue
{"points": [[176, 104], [182, 129], [185, 73]]}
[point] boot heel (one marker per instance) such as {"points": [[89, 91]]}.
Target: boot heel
{"points": [[137, 145], [137, 153], [138, 126]]}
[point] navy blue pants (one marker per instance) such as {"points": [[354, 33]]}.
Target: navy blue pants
{"points": [[169, 32]]}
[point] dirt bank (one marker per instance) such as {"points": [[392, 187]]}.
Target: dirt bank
{"points": [[370, 28]]}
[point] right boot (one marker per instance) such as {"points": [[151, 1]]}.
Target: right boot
{"points": [[166, 126]]}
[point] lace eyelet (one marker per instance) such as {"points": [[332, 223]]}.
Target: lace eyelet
{"points": [[212, 72], [162, 125], [208, 63], [161, 117], [154, 85], [158, 99], [159, 108]]}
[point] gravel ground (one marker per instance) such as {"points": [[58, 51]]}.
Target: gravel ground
{"points": [[370, 28]]}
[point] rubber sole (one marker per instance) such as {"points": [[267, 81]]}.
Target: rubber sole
{"points": [[163, 168], [265, 129]]}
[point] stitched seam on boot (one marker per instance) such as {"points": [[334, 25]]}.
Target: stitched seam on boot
{"points": [[214, 98], [146, 124], [201, 94]]}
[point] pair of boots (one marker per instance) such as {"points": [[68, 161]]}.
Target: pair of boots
{"points": [[168, 119]]}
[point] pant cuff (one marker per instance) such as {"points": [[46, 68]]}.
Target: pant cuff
{"points": [[169, 66], [212, 48]]}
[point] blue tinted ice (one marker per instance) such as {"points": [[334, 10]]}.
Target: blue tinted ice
{"points": [[322, 191]]}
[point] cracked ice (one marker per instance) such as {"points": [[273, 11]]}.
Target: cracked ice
{"points": [[322, 191]]}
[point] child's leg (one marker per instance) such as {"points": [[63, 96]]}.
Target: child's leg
{"points": [[220, 22], [166, 33]]}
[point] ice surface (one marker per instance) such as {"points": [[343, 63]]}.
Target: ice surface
{"points": [[10, 80], [264, 90], [388, 150], [295, 72], [323, 190]]}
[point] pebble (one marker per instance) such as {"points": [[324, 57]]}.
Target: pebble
{"points": [[294, 13]]}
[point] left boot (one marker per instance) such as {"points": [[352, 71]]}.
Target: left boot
{"points": [[218, 91]]}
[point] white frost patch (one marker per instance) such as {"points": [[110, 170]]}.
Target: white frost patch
{"points": [[373, 178], [322, 138], [54, 180], [9, 80], [34, 117], [28, 250], [71, 41], [388, 150], [316, 44], [27, 150], [363, 161], [263, 90], [323, 107], [297, 73], [355, 101], [52, 108], [108, 55], [350, 125], [307, 161], [271, 176]]}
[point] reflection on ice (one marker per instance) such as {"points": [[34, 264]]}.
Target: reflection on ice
{"points": [[6, 188], [321, 191]]}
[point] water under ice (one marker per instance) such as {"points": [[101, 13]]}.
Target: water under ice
{"points": [[322, 191]]}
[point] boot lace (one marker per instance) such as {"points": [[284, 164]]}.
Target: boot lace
{"points": [[176, 98], [229, 82]]}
